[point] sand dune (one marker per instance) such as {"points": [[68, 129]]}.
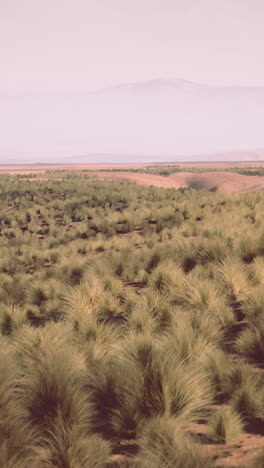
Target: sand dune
{"points": [[223, 182]]}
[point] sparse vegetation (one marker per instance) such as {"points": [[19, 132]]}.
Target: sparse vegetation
{"points": [[174, 168], [126, 314]]}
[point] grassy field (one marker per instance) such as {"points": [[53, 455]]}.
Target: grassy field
{"points": [[131, 325]]}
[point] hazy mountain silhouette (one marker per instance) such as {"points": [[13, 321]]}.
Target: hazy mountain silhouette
{"points": [[165, 118], [174, 86]]}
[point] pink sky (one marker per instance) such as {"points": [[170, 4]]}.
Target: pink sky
{"points": [[67, 47]]}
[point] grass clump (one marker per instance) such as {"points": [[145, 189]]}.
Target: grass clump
{"points": [[250, 343], [244, 388], [225, 425]]}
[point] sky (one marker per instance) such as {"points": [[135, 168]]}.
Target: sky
{"points": [[66, 47]]}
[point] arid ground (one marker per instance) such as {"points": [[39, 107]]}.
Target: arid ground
{"points": [[221, 180]]}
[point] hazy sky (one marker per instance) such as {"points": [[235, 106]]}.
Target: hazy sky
{"points": [[51, 47], [73, 45]]}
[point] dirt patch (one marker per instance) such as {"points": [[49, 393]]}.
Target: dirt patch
{"points": [[237, 454], [223, 182]]}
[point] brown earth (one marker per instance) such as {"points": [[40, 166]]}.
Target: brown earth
{"points": [[223, 182]]}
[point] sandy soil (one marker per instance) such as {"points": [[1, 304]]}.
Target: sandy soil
{"points": [[223, 182]]}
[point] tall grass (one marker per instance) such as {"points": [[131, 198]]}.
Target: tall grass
{"points": [[125, 313]]}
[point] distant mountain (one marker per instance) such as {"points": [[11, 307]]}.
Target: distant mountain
{"points": [[165, 118], [153, 87], [176, 86]]}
